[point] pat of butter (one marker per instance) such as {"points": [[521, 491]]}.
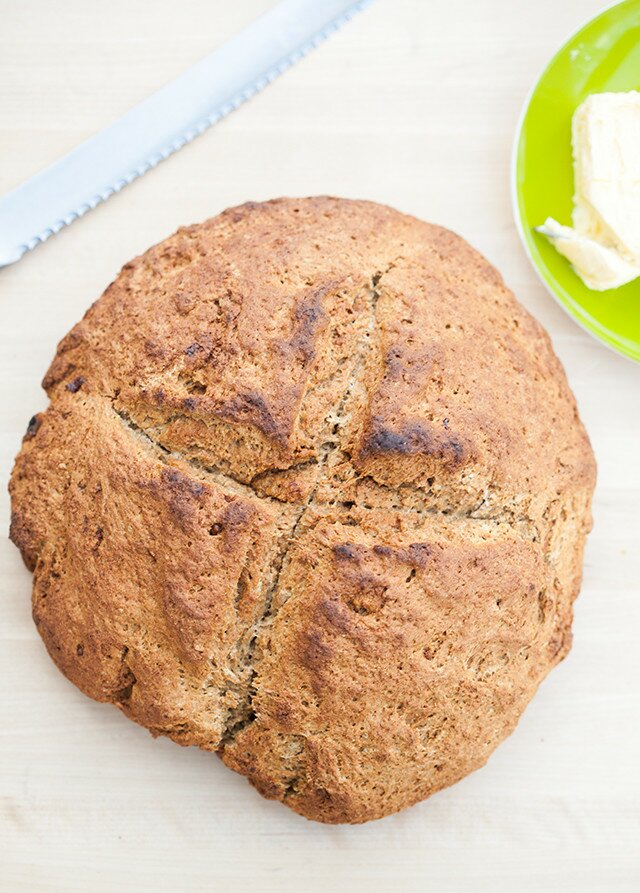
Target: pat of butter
{"points": [[604, 243], [598, 266]]}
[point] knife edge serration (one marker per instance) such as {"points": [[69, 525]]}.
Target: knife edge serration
{"points": [[12, 251]]}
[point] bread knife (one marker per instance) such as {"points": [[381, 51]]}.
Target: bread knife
{"points": [[166, 121]]}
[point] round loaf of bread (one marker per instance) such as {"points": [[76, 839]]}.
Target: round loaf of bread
{"points": [[311, 492]]}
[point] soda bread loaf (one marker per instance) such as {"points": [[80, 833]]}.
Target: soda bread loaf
{"points": [[311, 492]]}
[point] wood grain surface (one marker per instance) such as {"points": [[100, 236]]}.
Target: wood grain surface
{"points": [[414, 104]]}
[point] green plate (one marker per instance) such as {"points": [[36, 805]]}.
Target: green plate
{"points": [[603, 56]]}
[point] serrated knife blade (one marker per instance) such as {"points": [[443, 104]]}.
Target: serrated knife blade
{"points": [[166, 121]]}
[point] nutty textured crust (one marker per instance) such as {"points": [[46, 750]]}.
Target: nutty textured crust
{"points": [[311, 492]]}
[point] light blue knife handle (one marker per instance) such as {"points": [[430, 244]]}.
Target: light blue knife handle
{"points": [[165, 122]]}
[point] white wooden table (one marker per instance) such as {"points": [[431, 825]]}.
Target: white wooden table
{"points": [[415, 104]]}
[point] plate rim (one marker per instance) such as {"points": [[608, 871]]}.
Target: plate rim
{"points": [[515, 207]]}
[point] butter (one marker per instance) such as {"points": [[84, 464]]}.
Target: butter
{"points": [[604, 244], [598, 266]]}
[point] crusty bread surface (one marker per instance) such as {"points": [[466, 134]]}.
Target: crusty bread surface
{"points": [[311, 492]]}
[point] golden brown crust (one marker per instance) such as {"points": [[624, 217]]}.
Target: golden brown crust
{"points": [[312, 492]]}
